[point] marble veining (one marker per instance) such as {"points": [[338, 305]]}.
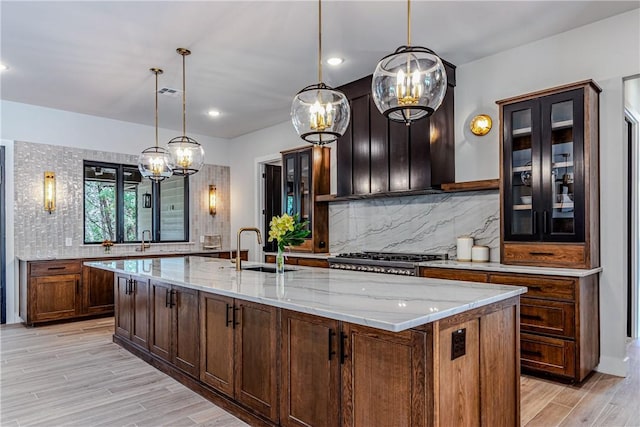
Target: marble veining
{"points": [[422, 224], [388, 302], [505, 268]]}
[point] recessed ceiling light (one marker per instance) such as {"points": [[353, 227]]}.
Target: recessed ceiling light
{"points": [[335, 61], [214, 113], [3, 67]]}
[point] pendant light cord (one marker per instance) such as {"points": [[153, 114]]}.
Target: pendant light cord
{"points": [[320, 41], [156, 73], [184, 98], [408, 22]]}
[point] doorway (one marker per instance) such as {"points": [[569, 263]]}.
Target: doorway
{"points": [[272, 190], [3, 238]]}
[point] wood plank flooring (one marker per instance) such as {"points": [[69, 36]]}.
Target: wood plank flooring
{"points": [[72, 374]]}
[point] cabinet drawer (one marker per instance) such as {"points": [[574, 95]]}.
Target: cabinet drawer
{"points": [[48, 268], [539, 286], [547, 317], [313, 262], [545, 255], [453, 274], [552, 355]]}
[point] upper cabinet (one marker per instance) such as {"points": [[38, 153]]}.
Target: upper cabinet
{"points": [[306, 175], [377, 156], [549, 177]]}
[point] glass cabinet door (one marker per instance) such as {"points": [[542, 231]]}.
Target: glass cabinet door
{"points": [[290, 199], [521, 170], [562, 155], [306, 204], [297, 185]]}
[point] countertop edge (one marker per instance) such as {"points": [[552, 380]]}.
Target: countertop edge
{"points": [[504, 268]]}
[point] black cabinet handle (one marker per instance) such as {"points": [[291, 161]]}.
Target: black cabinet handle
{"points": [[166, 299], [531, 316], [331, 335], [56, 268], [541, 253], [228, 320], [172, 295], [235, 310], [77, 286], [544, 222], [343, 340], [531, 353], [535, 222]]}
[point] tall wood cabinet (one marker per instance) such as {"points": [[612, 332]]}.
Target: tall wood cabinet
{"points": [[549, 177], [305, 176]]}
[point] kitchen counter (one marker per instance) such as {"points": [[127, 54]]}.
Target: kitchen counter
{"points": [[391, 303], [504, 268], [88, 252], [302, 255]]}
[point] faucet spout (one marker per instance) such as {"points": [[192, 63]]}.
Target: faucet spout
{"points": [[144, 245], [238, 251]]}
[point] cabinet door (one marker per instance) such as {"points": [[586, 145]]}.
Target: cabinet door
{"points": [[310, 361], [305, 190], [160, 320], [186, 330], [216, 345], [383, 377], [256, 360], [291, 200], [563, 166], [124, 312], [521, 171], [140, 309], [55, 297], [97, 287]]}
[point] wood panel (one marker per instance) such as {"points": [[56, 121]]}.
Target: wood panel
{"points": [[256, 358], [123, 313], [379, 139], [547, 317], [97, 290], [54, 297], [539, 286], [453, 274], [186, 331], [420, 160], [545, 254], [398, 157], [546, 354], [480, 185], [383, 377], [217, 342], [48, 268], [360, 145], [140, 307], [309, 360], [588, 326], [161, 320]]}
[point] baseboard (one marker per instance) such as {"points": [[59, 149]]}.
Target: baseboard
{"points": [[613, 366]]}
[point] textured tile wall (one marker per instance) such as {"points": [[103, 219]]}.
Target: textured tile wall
{"points": [[422, 224], [40, 234]]}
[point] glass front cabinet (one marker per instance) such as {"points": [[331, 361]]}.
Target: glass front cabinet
{"points": [[305, 176], [549, 177]]}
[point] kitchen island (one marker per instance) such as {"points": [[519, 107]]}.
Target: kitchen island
{"points": [[325, 347]]}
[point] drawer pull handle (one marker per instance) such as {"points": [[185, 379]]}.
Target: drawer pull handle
{"points": [[343, 344], [235, 310], [228, 320], [535, 288], [56, 268], [541, 253], [531, 316], [531, 353]]}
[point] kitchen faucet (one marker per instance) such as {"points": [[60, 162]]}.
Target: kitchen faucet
{"points": [[238, 259], [144, 245]]}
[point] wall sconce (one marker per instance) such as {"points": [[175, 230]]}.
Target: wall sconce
{"points": [[212, 199], [146, 199], [480, 125], [49, 192]]}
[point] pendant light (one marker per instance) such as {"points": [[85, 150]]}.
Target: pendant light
{"points": [[187, 155], [320, 114], [155, 162], [410, 83]]}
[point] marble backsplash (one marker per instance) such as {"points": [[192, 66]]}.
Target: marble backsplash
{"points": [[42, 235], [422, 224]]}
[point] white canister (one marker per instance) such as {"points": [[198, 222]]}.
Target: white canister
{"points": [[463, 251], [480, 253]]}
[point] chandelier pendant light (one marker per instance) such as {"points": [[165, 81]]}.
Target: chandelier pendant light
{"points": [[320, 114], [410, 83], [155, 162], [187, 155]]}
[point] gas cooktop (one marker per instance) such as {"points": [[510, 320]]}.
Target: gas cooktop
{"points": [[382, 262]]}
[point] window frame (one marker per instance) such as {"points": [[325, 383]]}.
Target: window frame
{"points": [[119, 195]]}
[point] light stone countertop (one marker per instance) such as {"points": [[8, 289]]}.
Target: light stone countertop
{"points": [[323, 255], [388, 302], [130, 253], [504, 268]]}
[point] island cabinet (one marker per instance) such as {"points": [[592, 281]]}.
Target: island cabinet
{"points": [[238, 351], [132, 309], [294, 260], [174, 325], [559, 319]]}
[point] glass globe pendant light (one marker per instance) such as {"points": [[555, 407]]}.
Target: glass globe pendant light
{"points": [[410, 83], [187, 155], [155, 162], [320, 114]]}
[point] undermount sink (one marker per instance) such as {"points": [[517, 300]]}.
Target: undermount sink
{"points": [[265, 268]]}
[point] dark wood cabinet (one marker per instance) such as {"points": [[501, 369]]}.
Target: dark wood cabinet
{"points": [[174, 326], [132, 314], [310, 359], [306, 175], [294, 260], [239, 351], [377, 156], [559, 319], [549, 174], [55, 297], [98, 290]]}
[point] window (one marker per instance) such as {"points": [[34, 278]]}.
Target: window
{"points": [[119, 205]]}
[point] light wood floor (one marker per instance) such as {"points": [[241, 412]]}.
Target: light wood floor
{"points": [[72, 374]]}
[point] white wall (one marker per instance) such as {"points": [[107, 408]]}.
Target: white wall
{"points": [[605, 51]]}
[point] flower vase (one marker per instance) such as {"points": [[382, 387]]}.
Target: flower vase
{"points": [[280, 261]]}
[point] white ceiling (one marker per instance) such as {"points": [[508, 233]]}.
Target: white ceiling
{"points": [[249, 58]]}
